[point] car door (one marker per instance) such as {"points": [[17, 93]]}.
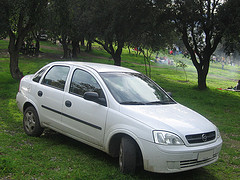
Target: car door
{"points": [[82, 118], [49, 95]]}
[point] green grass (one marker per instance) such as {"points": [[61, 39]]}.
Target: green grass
{"points": [[54, 156], [4, 44]]}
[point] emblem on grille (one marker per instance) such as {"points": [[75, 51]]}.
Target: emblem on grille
{"points": [[204, 137]]}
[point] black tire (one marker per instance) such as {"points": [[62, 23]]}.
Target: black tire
{"points": [[127, 155], [31, 122]]}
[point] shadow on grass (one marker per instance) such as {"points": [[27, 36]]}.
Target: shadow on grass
{"points": [[56, 138]]}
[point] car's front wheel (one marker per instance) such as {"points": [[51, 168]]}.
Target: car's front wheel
{"points": [[31, 122], [127, 155]]}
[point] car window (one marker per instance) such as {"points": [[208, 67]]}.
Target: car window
{"points": [[135, 89], [83, 82], [39, 74], [56, 77]]}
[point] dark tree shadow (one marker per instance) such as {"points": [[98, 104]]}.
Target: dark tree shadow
{"points": [[56, 138]]}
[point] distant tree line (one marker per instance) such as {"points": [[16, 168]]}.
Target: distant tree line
{"points": [[150, 24]]}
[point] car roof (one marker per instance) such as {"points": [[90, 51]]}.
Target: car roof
{"points": [[95, 66]]}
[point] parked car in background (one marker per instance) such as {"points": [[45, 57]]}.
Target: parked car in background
{"points": [[43, 37], [119, 111]]}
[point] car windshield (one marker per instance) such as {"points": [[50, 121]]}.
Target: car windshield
{"points": [[135, 89]]}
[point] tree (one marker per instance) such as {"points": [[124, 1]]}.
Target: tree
{"points": [[116, 22], [155, 38], [59, 22], [79, 25], [156, 33], [201, 26], [22, 17], [183, 66], [4, 20], [231, 38]]}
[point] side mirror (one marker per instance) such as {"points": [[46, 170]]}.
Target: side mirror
{"points": [[93, 96], [170, 94]]}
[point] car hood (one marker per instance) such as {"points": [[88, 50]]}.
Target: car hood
{"points": [[173, 117]]}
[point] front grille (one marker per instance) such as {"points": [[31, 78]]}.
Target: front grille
{"points": [[195, 162], [200, 138]]}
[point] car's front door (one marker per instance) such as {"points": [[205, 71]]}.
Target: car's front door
{"points": [[82, 118]]}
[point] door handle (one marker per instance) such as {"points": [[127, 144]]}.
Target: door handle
{"points": [[68, 103], [40, 93]]}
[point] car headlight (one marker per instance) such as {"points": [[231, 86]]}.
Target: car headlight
{"points": [[218, 133], [166, 138]]}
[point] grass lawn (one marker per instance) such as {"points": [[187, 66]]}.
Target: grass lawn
{"points": [[54, 156]]}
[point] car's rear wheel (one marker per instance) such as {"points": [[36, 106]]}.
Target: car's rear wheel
{"points": [[31, 122], [127, 155]]}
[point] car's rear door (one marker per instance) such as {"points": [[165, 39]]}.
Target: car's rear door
{"points": [[81, 118], [49, 95]]}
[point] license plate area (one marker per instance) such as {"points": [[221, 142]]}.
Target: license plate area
{"points": [[205, 155]]}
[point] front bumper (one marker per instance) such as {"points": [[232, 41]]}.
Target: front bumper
{"points": [[169, 159]]}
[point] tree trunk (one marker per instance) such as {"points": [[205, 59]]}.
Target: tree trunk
{"points": [[65, 51], [202, 70], [202, 80], [78, 47], [14, 69], [37, 50], [117, 55], [129, 50], [147, 62], [117, 59], [82, 41], [63, 41], [75, 48], [37, 39], [13, 49], [89, 46]]}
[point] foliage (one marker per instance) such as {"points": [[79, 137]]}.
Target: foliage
{"points": [[4, 20], [232, 34], [201, 26], [120, 22], [58, 23]]}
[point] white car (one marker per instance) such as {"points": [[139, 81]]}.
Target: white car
{"points": [[119, 111]]}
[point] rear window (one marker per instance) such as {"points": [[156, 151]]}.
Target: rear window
{"points": [[56, 77], [39, 74]]}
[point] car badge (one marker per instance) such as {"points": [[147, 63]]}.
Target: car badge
{"points": [[204, 137]]}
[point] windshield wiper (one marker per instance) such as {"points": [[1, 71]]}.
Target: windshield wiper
{"points": [[160, 102], [132, 103]]}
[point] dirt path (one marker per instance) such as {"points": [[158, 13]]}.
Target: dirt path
{"points": [[52, 48], [85, 54], [210, 75]]}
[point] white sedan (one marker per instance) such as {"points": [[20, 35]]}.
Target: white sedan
{"points": [[119, 111]]}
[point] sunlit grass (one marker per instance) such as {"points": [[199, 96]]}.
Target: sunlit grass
{"points": [[54, 156]]}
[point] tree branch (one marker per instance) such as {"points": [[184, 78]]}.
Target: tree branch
{"points": [[103, 45]]}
